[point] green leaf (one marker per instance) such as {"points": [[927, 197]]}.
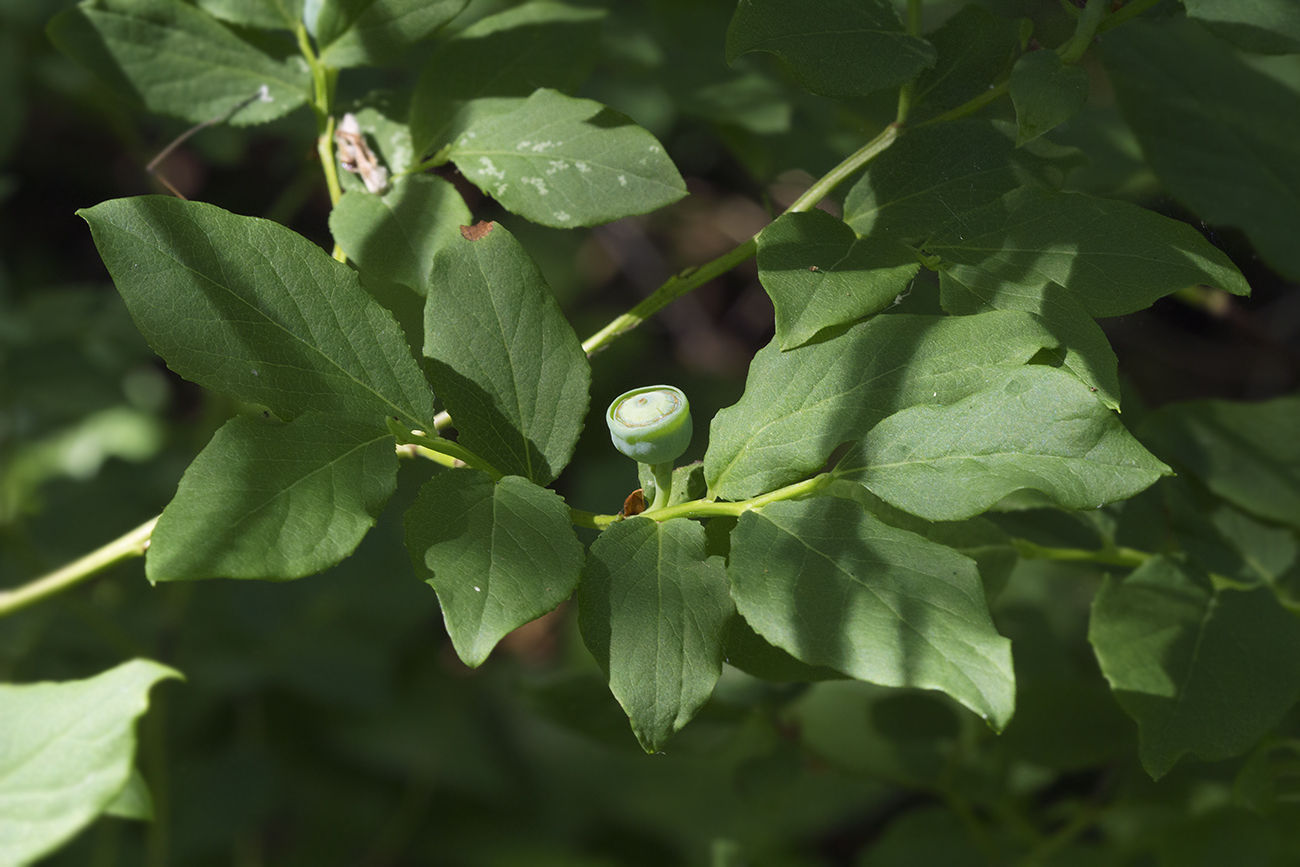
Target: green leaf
{"points": [[1203, 671], [246, 307], [1223, 138], [134, 801], [548, 45], [936, 174], [506, 362], [751, 653], [566, 162], [1263, 26], [1113, 257], [376, 32], [1046, 93], [394, 237], [498, 555], [835, 48], [799, 405], [274, 501], [833, 586], [1035, 436], [975, 49], [652, 608], [175, 59], [1249, 454], [66, 753], [819, 274], [268, 14], [1083, 348]]}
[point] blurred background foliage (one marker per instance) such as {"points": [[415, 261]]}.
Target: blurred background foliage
{"points": [[328, 721]]}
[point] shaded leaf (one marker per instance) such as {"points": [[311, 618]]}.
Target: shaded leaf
{"points": [[1249, 454], [246, 307], [1203, 671], [835, 48], [799, 405], [652, 608], [1113, 257], [498, 555], [1046, 93], [66, 753], [1034, 436], [1223, 138], [934, 175], [395, 236], [175, 59], [509, 54], [833, 586], [565, 162], [269, 14], [1083, 348], [274, 501], [505, 360], [975, 48], [820, 274], [1264, 26], [375, 32]]}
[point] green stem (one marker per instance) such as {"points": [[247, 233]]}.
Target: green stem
{"points": [[675, 287], [324, 81], [441, 446], [680, 284], [1084, 32], [827, 183], [132, 544], [663, 476], [906, 92], [1129, 11], [1127, 557], [993, 94]]}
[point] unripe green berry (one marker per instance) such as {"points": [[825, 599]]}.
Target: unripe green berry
{"points": [[651, 425]]}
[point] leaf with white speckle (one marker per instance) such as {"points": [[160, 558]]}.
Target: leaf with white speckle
{"points": [[566, 162]]}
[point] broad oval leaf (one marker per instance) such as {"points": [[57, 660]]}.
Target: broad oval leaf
{"points": [[274, 501], [1112, 256], [247, 307], [498, 555], [974, 47], [833, 586], [1035, 436], [1223, 138], [1203, 671], [565, 162], [505, 360], [835, 48], [66, 753], [1263, 26], [1046, 93], [1249, 454], [1083, 349], [653, 608], [268, 14], [376, 32], [800, 405], [820, 274], [548, 45], [395, 236], [934, 175], [178, 60]]}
